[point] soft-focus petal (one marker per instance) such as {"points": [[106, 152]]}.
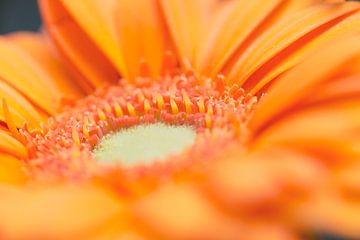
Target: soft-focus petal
{"points": [[11, 170], [10, 145], [81, 34], [142, 36], [21, 109], [61, 212], [187, 22], [328, 211], [39, 49], [21, 71], [294, 85], [334, 122], [181, 212]]}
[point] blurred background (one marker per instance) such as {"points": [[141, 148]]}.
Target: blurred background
{"points": [[19, 15]]}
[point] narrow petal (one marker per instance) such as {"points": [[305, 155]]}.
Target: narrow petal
{"points": [[82, 35], [285, 38], [294, 85], [187, 21], [38, 48], [97, 18], [21, 109], [230, 29], [142, 36], [20, 71], [337, 29], [10, 145]]}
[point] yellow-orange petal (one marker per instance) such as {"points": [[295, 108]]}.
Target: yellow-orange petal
{"points": [[21, 109], [271, 231], [240, 184], [329, 128], [56, 212], [10, 145], [11, 124], [281, 13], [245, 181], [142, 36], [285, 38], [339, 28], [181, 212], [38, 48], [230, 28], [68, 25], [296, 84], [97, 18], [187, 21], [20, 71], [345, 87], [11, 170], [329, 211]]}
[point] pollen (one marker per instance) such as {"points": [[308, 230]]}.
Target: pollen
{"points": [[144, 144]]}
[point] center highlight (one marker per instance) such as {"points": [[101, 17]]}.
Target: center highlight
{"points": [[143, 144]]}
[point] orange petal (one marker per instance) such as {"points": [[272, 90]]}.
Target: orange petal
{"points": [[10, 145], [11, 170], [38, 48], [234, 23], [187, 21], [347, 87], [82, 36], [97, 18], [56, 212], [348, 179], [330, 212], [11, 124], [294, 55], [285, 38], [281, 13], [330, 128], [20, 71], [180, 212], [142, 36], [20, 108], [294, 85], [243, 184], [271, 231], [254, 180]]}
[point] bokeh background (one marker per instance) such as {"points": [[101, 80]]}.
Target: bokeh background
{"points": [[19, 15]]}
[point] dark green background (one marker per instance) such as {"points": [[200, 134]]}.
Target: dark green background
{"points": [[19, 15]]}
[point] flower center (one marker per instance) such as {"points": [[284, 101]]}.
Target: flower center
{"points": [[131, 125], [143, 144]]}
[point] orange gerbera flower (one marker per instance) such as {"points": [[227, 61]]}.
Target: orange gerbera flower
{"points": [[182, 119]]}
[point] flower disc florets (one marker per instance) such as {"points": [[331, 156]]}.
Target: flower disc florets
{"points": [[66, 142]]}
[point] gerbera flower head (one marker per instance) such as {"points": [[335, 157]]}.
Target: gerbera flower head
{"points": [[182, 119]]}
